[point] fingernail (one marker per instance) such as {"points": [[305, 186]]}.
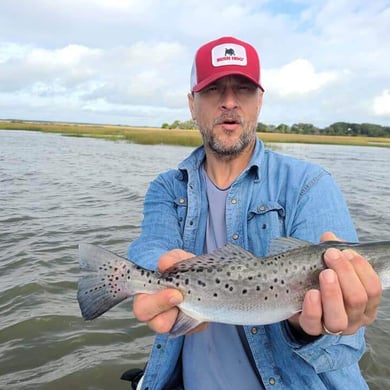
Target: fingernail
{"points": [[332, 254], [315, 297], [329, 276], [175, 300], [349, 254]]}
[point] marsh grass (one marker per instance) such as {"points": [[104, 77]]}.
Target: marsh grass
{"points": [[152, 136]]}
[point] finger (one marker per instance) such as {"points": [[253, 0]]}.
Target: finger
{"points": [[164, 322], [310, 319], [335, 317], [354, 294], [148, 306], [370, 282], [328, 236], [170, 258]]}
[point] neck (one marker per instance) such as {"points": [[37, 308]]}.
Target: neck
{"points": [[223, 170]]}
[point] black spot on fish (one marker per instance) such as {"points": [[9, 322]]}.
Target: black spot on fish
{"points": [[257, 288], [217, 281], [244, 291], [271, 287], [266, 298], [215, 295]]}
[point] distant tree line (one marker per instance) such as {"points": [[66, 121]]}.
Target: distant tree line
{"points": [[338, 128]]}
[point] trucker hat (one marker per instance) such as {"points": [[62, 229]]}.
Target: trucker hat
{"points": [[223, 57]]}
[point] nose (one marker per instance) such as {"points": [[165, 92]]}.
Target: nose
{"points": [[229, 99]]}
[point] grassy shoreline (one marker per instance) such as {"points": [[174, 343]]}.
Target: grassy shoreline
{"points": [[152, 136]]}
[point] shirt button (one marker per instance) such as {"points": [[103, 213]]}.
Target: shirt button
{"points": [[234, 201], [272, 381], [261, 208], [235, 236], [181, 200], [254, 330]]}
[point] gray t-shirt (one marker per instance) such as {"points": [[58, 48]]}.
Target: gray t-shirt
{"points": [[216, 359]]}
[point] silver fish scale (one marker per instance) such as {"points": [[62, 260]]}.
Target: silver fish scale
{"points": [[229, 285], [233, 280]]}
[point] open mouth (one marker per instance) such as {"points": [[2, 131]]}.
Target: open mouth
{"points": [[229, 120]]}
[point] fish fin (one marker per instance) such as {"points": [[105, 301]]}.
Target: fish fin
{"points": [[106, 283], [95, 296], [184, 324], [91, 257], [284, 244]]}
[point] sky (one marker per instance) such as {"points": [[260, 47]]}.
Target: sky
{"points": [[128, 62]]}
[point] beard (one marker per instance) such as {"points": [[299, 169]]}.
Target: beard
{"points": [[224, 148]]}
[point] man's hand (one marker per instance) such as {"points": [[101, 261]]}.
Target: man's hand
{"points": [[159, 310], [348, 298]]}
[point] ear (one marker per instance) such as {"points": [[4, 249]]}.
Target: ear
{"points": [[191, 104]]}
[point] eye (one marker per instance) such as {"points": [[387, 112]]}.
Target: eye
{"points": [[211, 88]]}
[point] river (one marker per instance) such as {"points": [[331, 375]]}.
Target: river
{"points": [[57, 191]]}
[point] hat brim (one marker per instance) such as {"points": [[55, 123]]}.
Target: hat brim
{"points": [[207, 81]]}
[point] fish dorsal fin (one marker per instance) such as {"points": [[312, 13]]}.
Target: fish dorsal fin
{"points": [[284, 244]]}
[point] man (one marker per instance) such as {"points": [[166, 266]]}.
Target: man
{"points": [[232, 189]]}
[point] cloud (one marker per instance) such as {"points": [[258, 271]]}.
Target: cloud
{"points": [[381, 105], [322, 61], [299, 77]]}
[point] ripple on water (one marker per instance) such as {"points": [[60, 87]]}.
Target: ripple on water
{"points": [[58, 191]]}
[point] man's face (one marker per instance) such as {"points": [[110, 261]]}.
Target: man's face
{"points": [[226, 112]]}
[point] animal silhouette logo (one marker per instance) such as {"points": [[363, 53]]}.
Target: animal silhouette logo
{"points": [[229, 52]]}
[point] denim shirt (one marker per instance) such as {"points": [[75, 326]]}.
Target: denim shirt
{"points": [[274, 196]]}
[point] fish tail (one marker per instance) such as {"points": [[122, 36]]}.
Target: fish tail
{"points": [[107, 282]]}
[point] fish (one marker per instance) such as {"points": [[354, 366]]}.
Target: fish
{"points": [[229, 285]]}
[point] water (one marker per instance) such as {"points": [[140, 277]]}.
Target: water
{"points": [[56, 191]]}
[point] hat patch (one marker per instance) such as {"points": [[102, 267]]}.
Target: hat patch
{"points": [[228, 54]]}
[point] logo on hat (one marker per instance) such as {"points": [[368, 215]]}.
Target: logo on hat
{"points": [[229, 54]]}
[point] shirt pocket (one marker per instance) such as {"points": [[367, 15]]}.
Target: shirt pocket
{"points": [[265, 222]]}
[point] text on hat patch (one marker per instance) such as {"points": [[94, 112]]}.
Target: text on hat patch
{"points": [[228, 54]]}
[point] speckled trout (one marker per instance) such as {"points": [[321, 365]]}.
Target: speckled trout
{"points": [[229, 285]]}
